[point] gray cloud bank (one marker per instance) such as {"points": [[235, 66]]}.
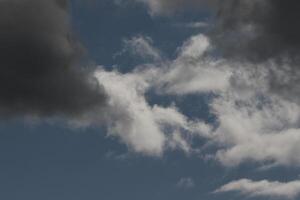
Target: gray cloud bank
{"points": [[40, 72]]}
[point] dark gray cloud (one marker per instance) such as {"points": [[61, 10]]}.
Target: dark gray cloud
{"points": [[257, 30], [260, 31], [40, 71]]}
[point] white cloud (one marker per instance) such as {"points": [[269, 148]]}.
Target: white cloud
{"points": [[254, 122], [289, 190], [130, 117], [253, 134], [143, 128], [190, 73]]}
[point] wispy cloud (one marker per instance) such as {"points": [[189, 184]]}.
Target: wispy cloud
{"points": [[186, 183], [288, 190]]}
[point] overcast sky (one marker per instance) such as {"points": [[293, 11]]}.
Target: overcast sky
{"points": [[149, 99]]}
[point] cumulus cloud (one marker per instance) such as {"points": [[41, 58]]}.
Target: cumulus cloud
{"points": [[288, 190], [40, 65]]}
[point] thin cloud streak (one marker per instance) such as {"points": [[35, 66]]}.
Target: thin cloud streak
{"points": [[264, 188]]}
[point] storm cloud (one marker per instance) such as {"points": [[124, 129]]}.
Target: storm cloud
{"points": [[41, 71]]}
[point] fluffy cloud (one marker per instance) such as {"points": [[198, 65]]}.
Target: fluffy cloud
{"points": [[289, 190], [250, 131], [145, 129]]}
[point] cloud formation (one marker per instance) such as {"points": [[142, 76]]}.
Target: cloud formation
{"points": [[252, 120], [256, 101], [147, 129], [288, 190], [41, 73], [249, 59]]}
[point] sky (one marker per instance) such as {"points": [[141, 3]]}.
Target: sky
{"points": [[149, 99]]}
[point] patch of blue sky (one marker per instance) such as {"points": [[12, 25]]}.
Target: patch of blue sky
{"points": [[103, 25]]}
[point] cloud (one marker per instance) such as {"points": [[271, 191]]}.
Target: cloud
{"points": [[43, 75], [256, 131], [186, 183], [265, 29], [288, 190], [251, 30], [41, 72], [189, 73], [252, 120], [256, 104], [169, 7], [259, 32], [146, 129], [140, 46]]}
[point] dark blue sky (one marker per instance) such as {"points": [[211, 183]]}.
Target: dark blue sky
{"points": [[49, 161]]}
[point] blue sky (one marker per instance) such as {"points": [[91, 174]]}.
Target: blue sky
{"points": [[205, 148]]}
